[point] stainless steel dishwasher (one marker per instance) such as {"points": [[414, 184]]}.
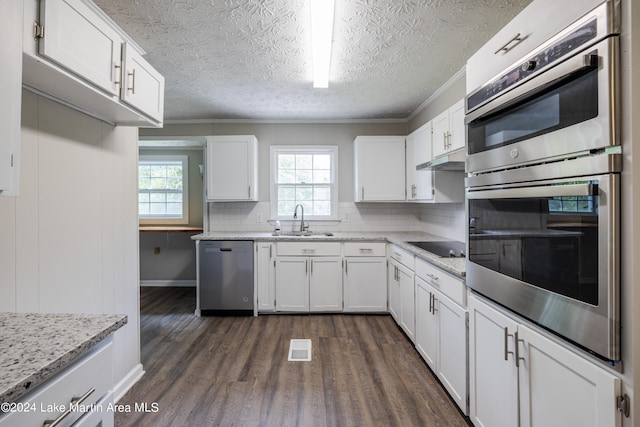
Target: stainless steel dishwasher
{"points": [[225, 277]]}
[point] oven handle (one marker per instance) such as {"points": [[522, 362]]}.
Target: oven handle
{"points": [[582, 189], [544, 82]]}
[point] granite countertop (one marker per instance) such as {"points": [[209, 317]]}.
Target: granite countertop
{"points": [[35, 346], [456, 266]]}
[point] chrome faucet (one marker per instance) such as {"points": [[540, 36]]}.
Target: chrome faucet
{"points": [[295, 215]]}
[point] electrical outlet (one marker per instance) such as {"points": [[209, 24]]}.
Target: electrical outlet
{"points": [[156, 250], [346, 217], [259, 217]]}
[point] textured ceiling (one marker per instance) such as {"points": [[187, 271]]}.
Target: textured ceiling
{"points": [[233, 59]]}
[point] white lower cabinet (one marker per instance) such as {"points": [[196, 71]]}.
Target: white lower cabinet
{"points": [[308, 283], [292, 284], [402, 289], [518, 377], [265, 277], [441, 332], [84, 387], [365, 277], [325, 284]]}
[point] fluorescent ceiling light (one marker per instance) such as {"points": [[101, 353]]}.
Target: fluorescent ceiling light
{"points": [[321, 38]]}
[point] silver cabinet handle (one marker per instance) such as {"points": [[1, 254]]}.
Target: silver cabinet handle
{"points": [[366, 250], [432, 277], [249, 192], [306, 266], [132, 74], [346, 266], [430, 302], [362, 193], [506, 344], [65, 414], [506, 47], [517, 343], [311, 262], [118, 80]]}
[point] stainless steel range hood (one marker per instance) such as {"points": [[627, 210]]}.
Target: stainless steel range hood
{"points": [[453, 161]]}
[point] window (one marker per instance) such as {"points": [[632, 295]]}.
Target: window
{"points": [[163, 190], [304, 175], [574, 204]]}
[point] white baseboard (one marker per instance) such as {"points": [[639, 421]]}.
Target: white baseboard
{"points": [[178, 283], [120, 389]]}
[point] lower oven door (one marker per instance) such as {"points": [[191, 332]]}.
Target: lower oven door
{"points": [[549, 252]]}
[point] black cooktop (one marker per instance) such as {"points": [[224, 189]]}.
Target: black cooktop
{"points": [[450, 248]]}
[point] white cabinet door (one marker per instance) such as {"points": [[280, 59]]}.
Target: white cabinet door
{"points": [[325, 284], [365, 284], [560, 388], [11, 89], [407, 301], [493, 376], [440, 133], [419, 182], [426, 324], [232, 168], [379, 168], [82, 42], [457, 138], [449, 130], [394, 290], [441, 339], [452, 348], [292, 284], [142, 85], [266, 277]]}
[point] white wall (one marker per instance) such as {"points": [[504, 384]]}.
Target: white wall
{"points": [[69, 240], [443, 220]]}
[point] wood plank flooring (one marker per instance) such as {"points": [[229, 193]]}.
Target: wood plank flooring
{"points": [[233, 371]]}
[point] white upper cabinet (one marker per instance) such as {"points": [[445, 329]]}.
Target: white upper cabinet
{"points": [[232, 168], [11, 89], [532, 27], [449, 130], [379, 168], [78, 40], [142, 85], [76, 54], [419, 182]]}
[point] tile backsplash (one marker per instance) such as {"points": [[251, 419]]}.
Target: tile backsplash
{"points": [[446, 220]]}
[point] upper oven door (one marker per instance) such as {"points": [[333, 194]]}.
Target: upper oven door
{"points": [[568, 109]]}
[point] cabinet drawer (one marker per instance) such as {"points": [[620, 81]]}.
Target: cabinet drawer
{"points": [[446, 283], [402, 256], [52, 398], [308, 248], [365, 249]]}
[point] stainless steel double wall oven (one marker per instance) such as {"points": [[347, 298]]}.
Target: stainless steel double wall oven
{"points": [[543, 182]]}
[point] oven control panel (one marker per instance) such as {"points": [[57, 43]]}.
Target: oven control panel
{"points": [[539, 60]]}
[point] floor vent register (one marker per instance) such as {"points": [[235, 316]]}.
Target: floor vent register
{"points": [[299, 350]]}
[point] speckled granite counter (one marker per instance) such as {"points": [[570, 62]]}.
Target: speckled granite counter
{"points": [[452, 265], [35, 346]]}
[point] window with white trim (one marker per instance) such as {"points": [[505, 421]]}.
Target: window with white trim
{"points": [[306, 175], [163, 196]]}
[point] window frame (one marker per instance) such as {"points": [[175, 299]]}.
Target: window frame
{"points": [[184, 219], [332, 150]]}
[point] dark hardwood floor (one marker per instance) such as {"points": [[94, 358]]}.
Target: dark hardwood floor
{"points": [[233, 371]]}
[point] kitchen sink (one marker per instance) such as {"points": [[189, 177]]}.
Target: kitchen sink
{"points": [[446, 248], [300, 233], [294, 233]]}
